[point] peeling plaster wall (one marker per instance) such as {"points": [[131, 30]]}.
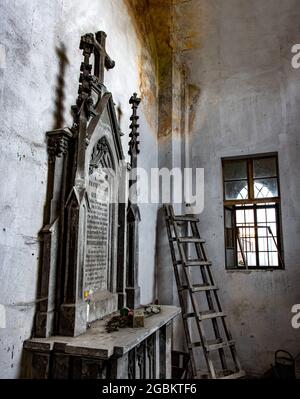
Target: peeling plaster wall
{"points": [[31, 32], [247, 102]]}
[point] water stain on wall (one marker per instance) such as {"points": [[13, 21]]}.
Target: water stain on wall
{"points": [[139, 11], [164, 37], [152, 20], [194, 94]]}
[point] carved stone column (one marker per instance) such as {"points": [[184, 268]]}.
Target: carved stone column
{"points": [[50, 235], [133, 213]]}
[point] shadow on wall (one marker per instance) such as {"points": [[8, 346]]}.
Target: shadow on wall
{"points": [[60, 85], [58, 122]]}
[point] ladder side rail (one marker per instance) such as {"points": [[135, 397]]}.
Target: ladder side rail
{"points": [[210, 280], [224, 324], [208, 284], [180, 293], [193, 301]]}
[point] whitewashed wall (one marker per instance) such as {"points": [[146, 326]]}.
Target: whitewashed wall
{"points": [[31, 31], [249, 103]]}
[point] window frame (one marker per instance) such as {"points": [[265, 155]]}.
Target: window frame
{"points": [[251, 200], [250, 180]]}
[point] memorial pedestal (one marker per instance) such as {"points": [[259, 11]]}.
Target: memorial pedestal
{"points": [[130, 353]]}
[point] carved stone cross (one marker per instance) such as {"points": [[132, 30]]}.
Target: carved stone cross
{"points": [[102, 59], [92, 44]]}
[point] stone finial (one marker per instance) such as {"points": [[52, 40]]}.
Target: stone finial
{"points": [[134, 134]]}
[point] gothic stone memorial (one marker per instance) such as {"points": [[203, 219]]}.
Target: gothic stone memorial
{"points": [[89, 245], [84, 234]]}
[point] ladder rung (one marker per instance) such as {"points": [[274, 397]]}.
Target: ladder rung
{"points": [[203, 287], [188, 315], [195, 262], [195, 240], [185, 218], [209, 343], [210, 314], [206, 285], [199, 287], [210, 346], [195, 345], [234, 375], [221, 375]]}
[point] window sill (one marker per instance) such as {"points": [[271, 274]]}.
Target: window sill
{"points": [[247, 271]]}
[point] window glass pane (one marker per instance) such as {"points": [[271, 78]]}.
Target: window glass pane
{"points": [[271, 215], [264, 167], [272, 244], [244, 216], [265, 188], [249, 216], [229, 238], [250, 242], [263, 243], [240, 260], [230, 258], [273, 258], [265, 215], [262, 231], [251, 258], [240, 216], [236, 190], [261, 216], [235, 170], [273, 229], [228, 218], [263, 259]]}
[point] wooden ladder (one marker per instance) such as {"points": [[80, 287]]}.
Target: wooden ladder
{"points": [[218, 353]]}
